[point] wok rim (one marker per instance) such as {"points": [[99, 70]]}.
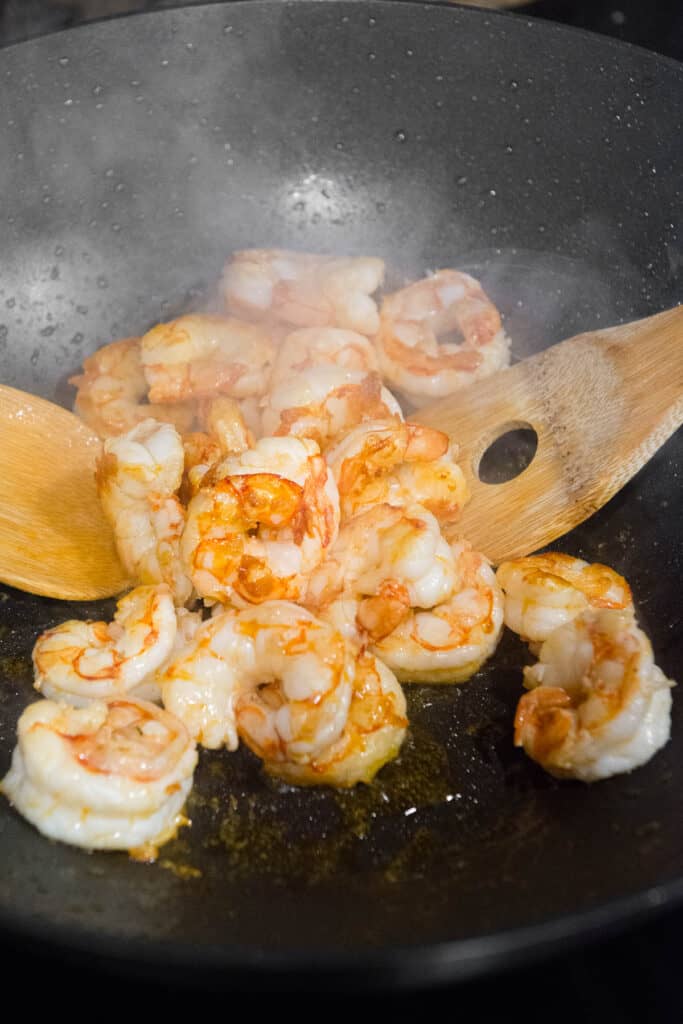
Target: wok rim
{"points": [[431, 962], [464, 10]]}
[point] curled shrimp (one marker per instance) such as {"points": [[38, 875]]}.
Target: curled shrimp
{"points": [[385, 562], [374, 731], [261, 522], [303, 289], [398, 463], [112, 389], [113, 775], [598, 705], [81, 661], [325, 403], [306, 349], [137, 477], [450, 641], [296, 684], [544, 591], [412, 357], [199, 683], [202, 354]]}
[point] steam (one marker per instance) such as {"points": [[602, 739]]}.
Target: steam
{"points": [[126, 183]]}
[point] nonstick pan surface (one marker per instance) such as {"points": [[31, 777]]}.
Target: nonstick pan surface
{"points": [[135, 154]]}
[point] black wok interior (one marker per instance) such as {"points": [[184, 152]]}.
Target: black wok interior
{"points": [[135, 155]]}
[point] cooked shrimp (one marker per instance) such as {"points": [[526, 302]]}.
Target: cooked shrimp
{"points": [[223, 419], [112, 391], [226, 434], [450, 641], [385, 562], [598, 704], [397, 463], [303, 289], [199, 684], [113, 775], [81, 661], [411, 356], [373, 734], [310, 347], [261, 522], [544, 591], [296, 684], [325, 403], [137, 477], [202, 354]]}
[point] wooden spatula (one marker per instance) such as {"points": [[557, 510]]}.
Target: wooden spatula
{"points": [[54, 539], [601, 405]]}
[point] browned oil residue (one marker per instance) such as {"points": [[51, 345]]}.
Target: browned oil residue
{"points": [[184, 871]]}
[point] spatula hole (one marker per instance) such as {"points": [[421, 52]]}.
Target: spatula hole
{"points": [[508, 456]]}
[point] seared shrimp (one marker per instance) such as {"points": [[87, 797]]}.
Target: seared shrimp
{"points": [[113, 775], [303, 289], [112, 390], [412, 357], [385, 562], [137, 477], [311, 347], [598, 705], [199, 684], [226, 433], [261, 522], [450, 641], [325, 403], [78, 661], [296, 683], [397, 463], [544, 591], [374, 731], [201, 355]]}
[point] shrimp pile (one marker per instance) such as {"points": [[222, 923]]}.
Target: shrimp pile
{"points": [[293, 549]]}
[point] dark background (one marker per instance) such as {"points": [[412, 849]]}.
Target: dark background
{"points": [[635, 975]]}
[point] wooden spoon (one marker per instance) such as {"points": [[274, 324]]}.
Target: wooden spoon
{"points": [[54, 538], [601, 405]]}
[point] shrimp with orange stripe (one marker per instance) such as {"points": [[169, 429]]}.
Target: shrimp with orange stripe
{"points": [[314, 709], [261, 522], [200, 355], [138, 476], [303, 289], [597, 705], [544, 591], [438, 335], [389, 461], [110, 776], [81, 661], [325, 403], [112, 390]]}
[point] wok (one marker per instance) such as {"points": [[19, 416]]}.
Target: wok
{"points": [[136, 153]]}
